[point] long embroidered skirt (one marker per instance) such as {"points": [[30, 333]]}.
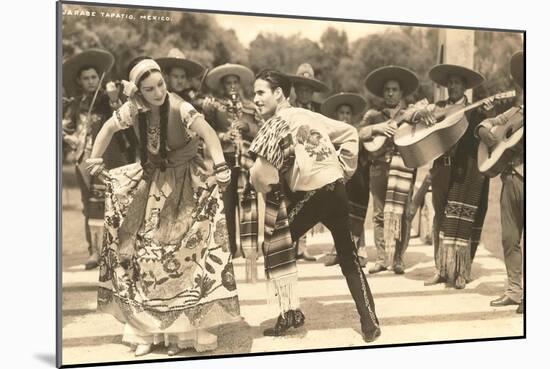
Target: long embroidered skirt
{"points": [[180, 277]]}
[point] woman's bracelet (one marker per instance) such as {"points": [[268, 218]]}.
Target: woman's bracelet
{"points": [[220, 167]]}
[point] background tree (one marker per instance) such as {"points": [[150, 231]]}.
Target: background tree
{"points": [[493, 51], [341, 64]]}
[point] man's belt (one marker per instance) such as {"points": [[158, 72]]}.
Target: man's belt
{"points": [[444, 160], [511, 171]]}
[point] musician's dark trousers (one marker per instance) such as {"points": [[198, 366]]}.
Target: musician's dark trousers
{"points": [[378, 186], [512, 217], [85, 196], [329, 206], [477, 227], [92, 190], [441, 182], [93, 201], [357, 189], [230, 202]]}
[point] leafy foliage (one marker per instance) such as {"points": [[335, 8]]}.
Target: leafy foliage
{"points": [[341, 64]]}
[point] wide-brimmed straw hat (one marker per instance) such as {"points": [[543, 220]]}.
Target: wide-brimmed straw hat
{"points": [[176, 58], [440, 74], [330, 105], [101, 60], [306, 76], [517, 67], [406, 78], [214, 77]]}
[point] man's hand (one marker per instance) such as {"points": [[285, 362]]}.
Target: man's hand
{"points": [[241, 126], [225, 137], [426, 117], [233, 135], [259, 185], [390, 128], [209, 104], [71, 140], [488, 105], [263, 175], [364, 133], [487, 137]]}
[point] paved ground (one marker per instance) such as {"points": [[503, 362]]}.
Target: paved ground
{"points": [[408, 311]]}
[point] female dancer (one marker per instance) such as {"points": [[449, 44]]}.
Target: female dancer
{"points": [[165, 268]]}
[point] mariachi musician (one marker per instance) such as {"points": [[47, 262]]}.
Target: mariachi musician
{"points": [[236, 121], [348, 108], [391, 182], [460, 192], [305, 85], [86, 113], [512, 195], [179, 71]]}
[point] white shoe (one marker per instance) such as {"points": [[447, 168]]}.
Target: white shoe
{"points": [[143, 349], [205, 341]]}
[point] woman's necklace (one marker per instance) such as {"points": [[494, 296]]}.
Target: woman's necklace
{"points": [[153, 133]]}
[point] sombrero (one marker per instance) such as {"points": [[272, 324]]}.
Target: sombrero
{"points": [[357, 103], [377, 78], [176, 58], [214, 77], [517, 67], [102, 60], [440, 74], [305, 76]]}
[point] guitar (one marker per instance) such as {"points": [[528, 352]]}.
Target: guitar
{"points": [[419, 144], [493, 160], [375, 143], [378, 142]]}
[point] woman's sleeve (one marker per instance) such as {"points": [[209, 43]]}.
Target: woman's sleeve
{"points": [[126, 115], [188, 114]]}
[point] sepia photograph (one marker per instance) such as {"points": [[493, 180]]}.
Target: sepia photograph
{"points": [[235, 184]]}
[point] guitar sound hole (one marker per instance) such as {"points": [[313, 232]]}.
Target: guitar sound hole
{"points": [[509, 133]]}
